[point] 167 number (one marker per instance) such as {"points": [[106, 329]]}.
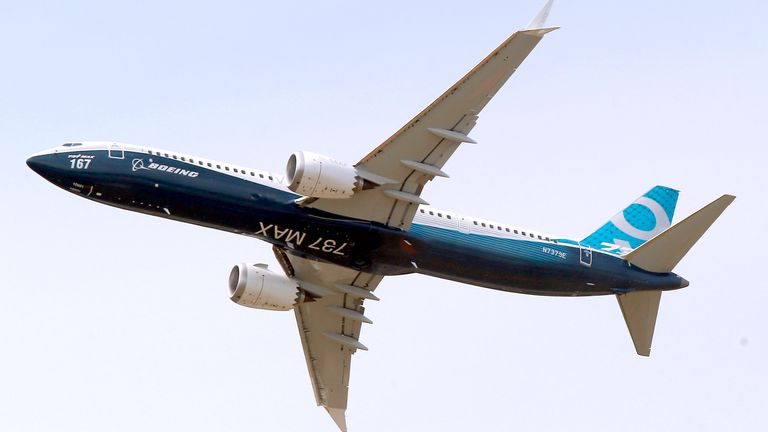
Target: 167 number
{"points": [[80, 163]]}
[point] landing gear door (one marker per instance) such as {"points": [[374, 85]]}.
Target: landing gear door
{"points": [[585, 255]]}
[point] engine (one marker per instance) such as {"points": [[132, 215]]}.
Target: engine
{"points": [[254, 285], [319, 176]]}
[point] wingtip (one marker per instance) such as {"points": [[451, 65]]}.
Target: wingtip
{"points": [[337, 414], [541, 18], [725, 200]]}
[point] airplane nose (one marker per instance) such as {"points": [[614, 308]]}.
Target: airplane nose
{"points": [[683, 282], [35, 163], [44, 164]]}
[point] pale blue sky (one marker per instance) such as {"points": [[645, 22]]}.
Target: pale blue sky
{"points": [[111, 320]]}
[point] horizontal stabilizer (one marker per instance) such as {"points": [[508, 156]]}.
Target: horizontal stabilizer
{"points": [[662, 253], [640, 309]]}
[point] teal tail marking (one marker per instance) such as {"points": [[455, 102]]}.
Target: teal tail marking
{"points": [[645, 218]]}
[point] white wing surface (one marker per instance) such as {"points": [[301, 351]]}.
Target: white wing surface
{"points": [[329, 325], [417, 152]]}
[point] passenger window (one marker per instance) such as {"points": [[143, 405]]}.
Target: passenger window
{"points": [[261, 175], [252, 174], [507, 229], [270, 177], [218, 166], [439, 215], [209, 165], [475, 222], [448, 216], [226, 168], [483, 224], [182, 158], [166, 155], [174, 156], [431, 214]]}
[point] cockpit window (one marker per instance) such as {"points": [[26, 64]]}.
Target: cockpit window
{"points": [[71, 144]]}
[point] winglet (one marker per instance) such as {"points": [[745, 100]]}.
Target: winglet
{"points": [[541, 18], [337, 414]]}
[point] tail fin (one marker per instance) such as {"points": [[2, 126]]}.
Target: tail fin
{"points": [[660, 255], [642, 220], [663, 252]]}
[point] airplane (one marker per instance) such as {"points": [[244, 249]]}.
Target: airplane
{"points": [[338, 229]]}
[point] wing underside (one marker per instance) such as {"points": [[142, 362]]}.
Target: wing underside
{"points": [[329, 325], [332, 313], [417, 152]]}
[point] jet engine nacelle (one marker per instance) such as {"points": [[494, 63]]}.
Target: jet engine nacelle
{"points": [[254, 285], [319, 176]]}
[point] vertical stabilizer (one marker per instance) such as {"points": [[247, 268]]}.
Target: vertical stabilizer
{"points": [[642, 220], [640, 309]]}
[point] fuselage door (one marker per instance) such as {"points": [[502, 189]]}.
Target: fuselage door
{"points": [[116, 151], [585, 255], [464, 225]]}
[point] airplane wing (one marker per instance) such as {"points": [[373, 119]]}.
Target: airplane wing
{"points": [[417, 152], [329, 324]]}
